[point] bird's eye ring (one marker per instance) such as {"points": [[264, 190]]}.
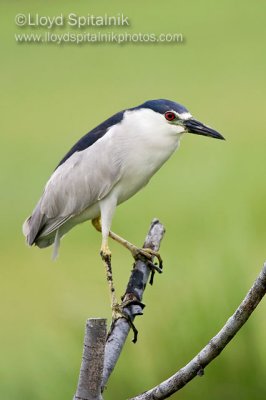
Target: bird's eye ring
{"points": [[170, 116]]}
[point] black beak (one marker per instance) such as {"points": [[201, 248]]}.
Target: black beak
{"points": [[194, 126]]}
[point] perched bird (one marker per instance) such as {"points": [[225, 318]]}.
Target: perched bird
{"points": [[106, 167]]}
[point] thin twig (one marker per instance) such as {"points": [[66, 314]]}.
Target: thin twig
{"points": [[214, 347], [90, 377], [133, 296]]}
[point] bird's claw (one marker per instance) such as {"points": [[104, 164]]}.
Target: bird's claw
{"points": [[149, 254], [119, 311]]}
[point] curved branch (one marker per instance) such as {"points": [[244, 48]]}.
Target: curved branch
{"points": [[214, 347]]}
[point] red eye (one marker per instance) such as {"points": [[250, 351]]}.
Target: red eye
{"points": [[170, 116]]}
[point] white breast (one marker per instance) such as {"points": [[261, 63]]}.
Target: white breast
{"points": [[143, 142]]}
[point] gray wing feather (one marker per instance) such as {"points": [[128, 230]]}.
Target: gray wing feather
{"points": [[80, 182], [83, 179], [32, 225]]}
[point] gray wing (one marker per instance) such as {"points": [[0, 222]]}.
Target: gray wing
{"points": [[83, 179]]}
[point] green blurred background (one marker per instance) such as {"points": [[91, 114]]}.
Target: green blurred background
{"points": [[210, 196]]}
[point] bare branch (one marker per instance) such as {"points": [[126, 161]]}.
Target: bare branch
{"points": [[90, 377], [134, 292], [214, 347]]}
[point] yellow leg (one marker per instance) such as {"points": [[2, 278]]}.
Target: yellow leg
{"points": [[118, 309], [135, 251], [106, 257]]}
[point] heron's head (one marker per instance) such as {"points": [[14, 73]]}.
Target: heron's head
{"points": [[175, 118]]}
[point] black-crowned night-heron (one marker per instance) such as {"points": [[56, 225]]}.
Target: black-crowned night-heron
{"points": [[106, 167]]}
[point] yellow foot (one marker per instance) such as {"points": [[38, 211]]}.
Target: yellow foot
{"points": [[96, 222], [149, 254], [118, 312]]}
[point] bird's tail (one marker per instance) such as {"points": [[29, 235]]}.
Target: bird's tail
{"points": [[42, 231], [29, 233], [33, 225], [26, 228]]}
